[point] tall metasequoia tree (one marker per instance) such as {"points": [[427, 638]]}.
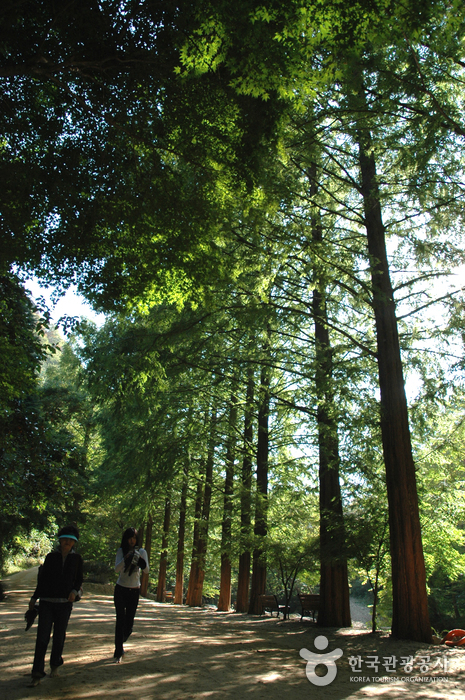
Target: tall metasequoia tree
{"points": [[258, 586], [334, 583], [148, 548], [199, 552], [195, 538], [141, 531], [179, 586], [224, 601], [243, 580], [410, 617], [161, 587]]}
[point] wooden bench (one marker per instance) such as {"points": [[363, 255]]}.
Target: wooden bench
{"points": [[271, 603], [168, 596], [310, 603]]}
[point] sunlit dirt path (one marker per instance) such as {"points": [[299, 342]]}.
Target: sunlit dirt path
{"points": [[178, 653]]}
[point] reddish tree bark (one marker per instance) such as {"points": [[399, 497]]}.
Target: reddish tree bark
{"points": [[148, 536], [141, 533], [243, 581], [410, 617], [258, 586], [195, 540], [224, 601], [148, 548], [334, 585], [334, 582], [197, 574], [161, 587], [179, 586]]}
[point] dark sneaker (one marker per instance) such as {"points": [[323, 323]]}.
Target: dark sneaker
{"points": [[35, 680]]}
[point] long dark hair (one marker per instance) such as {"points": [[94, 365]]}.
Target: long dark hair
{"points": [[127, 534]]}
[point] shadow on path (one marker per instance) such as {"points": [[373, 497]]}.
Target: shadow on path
{"points": [[178, 653]]}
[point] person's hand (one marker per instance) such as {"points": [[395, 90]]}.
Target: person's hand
{"points": [[128, 556], [71, 597], [32, 603], [135, 558]]}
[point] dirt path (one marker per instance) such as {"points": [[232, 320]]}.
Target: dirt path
{"points": [[178, 653]]}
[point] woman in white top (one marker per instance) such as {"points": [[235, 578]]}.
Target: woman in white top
{"points": [[130, 560]]}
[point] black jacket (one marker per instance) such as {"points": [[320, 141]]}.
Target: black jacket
{"points": [[57, 578]]}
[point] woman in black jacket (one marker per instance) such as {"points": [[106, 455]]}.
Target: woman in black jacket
{"points": [[59, 582]]}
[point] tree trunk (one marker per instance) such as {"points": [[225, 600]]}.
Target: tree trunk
{"points": [[144, 584], [334, 583], [195, 540], [224, 601], [141, 533], [161, 588], [242, 602], [375, 601], [179, 586], [261, 507], [194, 595], [410, 618]]}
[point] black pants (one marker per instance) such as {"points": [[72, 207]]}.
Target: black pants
{"points": [[126, 601], [56, 615]]}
